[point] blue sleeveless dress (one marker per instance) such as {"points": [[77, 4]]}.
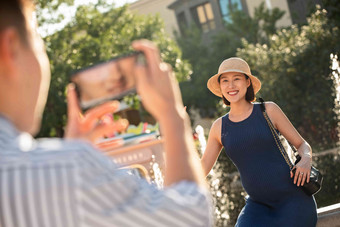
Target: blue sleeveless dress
{"points": [[273, 199]]}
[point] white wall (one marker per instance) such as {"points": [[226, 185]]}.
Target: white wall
{"points": [[160, 7]]}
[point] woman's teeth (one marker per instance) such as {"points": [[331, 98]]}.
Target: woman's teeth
{"points": [[232, 92]]}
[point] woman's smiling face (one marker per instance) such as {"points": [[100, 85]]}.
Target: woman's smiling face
{"points": [[234, 86]]}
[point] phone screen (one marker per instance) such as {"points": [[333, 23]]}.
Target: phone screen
{"points": [[111, 80]]}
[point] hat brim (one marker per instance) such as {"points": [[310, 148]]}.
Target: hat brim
{"points": [[214, 86]]}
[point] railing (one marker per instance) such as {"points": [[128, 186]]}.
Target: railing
{"points": [[326, 152], [329, 216], [146, 157]]}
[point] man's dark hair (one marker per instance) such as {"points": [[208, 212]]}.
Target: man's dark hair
{"points": [[12, 13], [250, 94]]}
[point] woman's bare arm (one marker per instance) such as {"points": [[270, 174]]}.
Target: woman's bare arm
{"points": [[213, 148], [282, 123]]}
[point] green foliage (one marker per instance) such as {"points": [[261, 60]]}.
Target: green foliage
{"points": [[333, 11], [333, 14], [50, 11], [194, 92], [227, 191], [94, 36], [294, 69], [43, 4]]}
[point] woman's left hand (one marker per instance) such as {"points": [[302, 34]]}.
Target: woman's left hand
{"points": [[303, 168]]}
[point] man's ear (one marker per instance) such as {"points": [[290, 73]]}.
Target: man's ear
{"points": [[10, 45]]}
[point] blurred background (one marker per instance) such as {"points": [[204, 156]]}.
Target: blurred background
{"points": [[291, 45]]}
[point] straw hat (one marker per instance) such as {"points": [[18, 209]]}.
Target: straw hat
{"points": [[232, 65]]}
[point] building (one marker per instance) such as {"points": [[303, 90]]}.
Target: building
{"points": [[209, 15], [159, 7]]}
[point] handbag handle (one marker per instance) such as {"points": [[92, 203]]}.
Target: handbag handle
{"points": [[276, 136]]}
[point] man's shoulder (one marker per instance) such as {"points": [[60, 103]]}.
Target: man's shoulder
{"points": [[50, 151], [62, 146], [73, 150]]}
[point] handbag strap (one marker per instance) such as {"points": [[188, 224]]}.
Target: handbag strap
{"points": [[276, 136]]}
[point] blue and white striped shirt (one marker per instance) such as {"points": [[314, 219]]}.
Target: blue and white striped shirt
{"points": [[60, 183]]}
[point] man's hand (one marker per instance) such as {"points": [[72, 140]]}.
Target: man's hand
{"points": [[157, 84], [94, 124]]}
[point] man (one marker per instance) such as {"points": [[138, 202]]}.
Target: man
{"points": [[67, 182]]}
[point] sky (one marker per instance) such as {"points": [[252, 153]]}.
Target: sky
{"points": [[69, 11], [122, 2], [116, 2]]}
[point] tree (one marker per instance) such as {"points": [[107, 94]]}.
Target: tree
{"points": [[333, 10], [49, 12], [94, 36], [194, 91], [333, 15]]}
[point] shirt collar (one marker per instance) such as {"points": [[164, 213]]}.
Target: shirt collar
{"points": [[23, 139], [7, 127]]}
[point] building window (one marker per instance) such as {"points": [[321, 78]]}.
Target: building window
{"points": [[227, 6], [204, 17]]}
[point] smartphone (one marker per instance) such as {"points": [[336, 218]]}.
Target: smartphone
{"points": [[110, 80]]}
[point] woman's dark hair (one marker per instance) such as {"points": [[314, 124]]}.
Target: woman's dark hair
{"points": [[250, 94]]}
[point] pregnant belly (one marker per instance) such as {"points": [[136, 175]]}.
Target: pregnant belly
{"points": [[271, 182]]}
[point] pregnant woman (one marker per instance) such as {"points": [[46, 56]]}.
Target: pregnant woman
{"points": [[274, 194]]}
